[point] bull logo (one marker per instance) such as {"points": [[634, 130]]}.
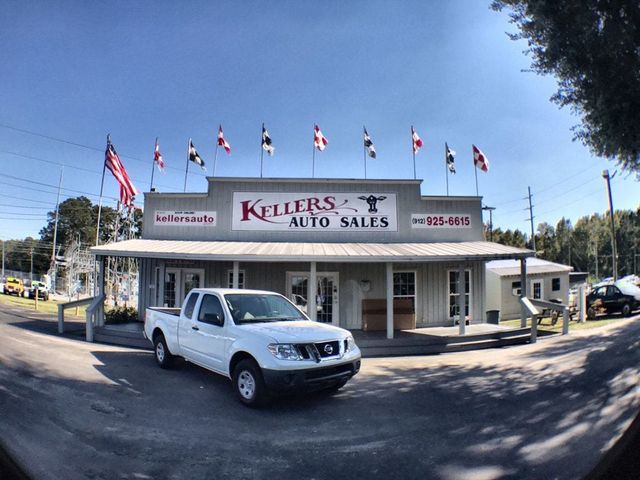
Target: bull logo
{"points": [[372, 200]]}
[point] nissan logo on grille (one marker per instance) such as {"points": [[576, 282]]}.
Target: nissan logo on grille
{"points": [[328, 349]]}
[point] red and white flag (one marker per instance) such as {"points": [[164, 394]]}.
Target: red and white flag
{"points": [[415, 140], [319, 140], [157, 157], [222, 142], [480, 160], [114, 164]]}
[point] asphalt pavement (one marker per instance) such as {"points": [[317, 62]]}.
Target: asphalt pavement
{"points": [[74, 410]]}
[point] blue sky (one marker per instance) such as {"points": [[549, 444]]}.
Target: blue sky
{"points": [[75, 71]]}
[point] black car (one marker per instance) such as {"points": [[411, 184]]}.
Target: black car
{"points": [[607, 299]]}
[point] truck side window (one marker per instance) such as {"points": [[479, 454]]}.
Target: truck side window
{"points": [[211, 310], [190, 305]]}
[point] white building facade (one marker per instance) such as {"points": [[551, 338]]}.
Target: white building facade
{"points": [[346, 251]]}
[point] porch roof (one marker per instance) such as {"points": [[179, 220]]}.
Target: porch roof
{"points": [[309, 252]]}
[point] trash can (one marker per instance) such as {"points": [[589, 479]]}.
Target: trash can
{"points": [[493, 317]]}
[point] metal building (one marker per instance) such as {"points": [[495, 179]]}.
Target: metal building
{"points": [[361, 254]]}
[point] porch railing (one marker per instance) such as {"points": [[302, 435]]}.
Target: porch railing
{"points": [[94, 313]]}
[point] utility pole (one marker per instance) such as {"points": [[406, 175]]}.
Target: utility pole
{"points": [[2, 258], [54, 264], [614, 258], [595, 254], [533, 233], [490, 209], [31, 270]]}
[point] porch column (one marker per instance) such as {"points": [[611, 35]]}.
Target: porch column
{"points": [[312, 309], [236, 274], [101, 290], [461, 300], [523, 291], [389, 300]]}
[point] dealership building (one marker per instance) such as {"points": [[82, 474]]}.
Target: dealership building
{"points": [[360, 254]]}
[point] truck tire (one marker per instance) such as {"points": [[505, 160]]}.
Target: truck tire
{"points": [[591, 313], [164, 359], [249, 384], [626, 310]]}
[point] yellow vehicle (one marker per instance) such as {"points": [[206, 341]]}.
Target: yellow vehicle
{"points": [[14, 286]]}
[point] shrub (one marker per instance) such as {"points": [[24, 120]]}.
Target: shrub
{"points": [[121, 315]]}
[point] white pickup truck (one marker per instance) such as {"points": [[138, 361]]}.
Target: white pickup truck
{"points": [[258, 339]]}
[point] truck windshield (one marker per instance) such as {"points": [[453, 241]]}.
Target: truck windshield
{"points": [[258, 308]]}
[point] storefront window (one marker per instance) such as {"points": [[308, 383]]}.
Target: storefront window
{"points": [[454, 309], [404, 286]]}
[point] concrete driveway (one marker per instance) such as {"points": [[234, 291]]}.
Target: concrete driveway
{"points": [[76, 410]]}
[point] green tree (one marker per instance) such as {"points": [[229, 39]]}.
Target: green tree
{"points": [[593, 49]]}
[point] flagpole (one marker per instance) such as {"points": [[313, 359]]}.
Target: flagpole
{"points": [[104, 168], [186, 170], [475, 170], [313, 157], [153, 164], [215, 158], [364, 151], [413, 151], [261, 148], [446, 167]]}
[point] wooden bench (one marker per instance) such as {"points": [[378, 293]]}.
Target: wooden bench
{"points": [[374, 314]]}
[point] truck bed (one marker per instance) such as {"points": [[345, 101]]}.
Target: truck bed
{"points": [[167, 310]]}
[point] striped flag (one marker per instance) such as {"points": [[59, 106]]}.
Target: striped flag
{"points": [[449, 158], [157, 157], [319, 140], [222, 142], [368, 144], [480, 160], [195, 157], [266, 142], [112, 161], [415, 140]]}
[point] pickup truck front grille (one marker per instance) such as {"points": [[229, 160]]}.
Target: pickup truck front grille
{"points": [[319, 351]]}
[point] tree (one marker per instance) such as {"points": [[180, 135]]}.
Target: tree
{"points": [[77, 218], [593, 48]]}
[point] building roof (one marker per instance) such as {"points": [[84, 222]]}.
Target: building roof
{"points": [[506, 268], [302, 251]]}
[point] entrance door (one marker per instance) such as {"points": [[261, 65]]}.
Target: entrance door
{"points": [[327, 306], [179, 282]]}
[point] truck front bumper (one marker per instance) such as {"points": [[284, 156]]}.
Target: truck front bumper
{"points": [[284, 381]]}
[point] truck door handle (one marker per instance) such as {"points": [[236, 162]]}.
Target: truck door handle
{"points": [[194, 328]]}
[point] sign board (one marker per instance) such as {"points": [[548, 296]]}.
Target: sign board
{"points": [[328, 212], [188, 219], [440, 220]]}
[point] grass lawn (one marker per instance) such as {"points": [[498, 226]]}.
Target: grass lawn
{"points": [[573, 325], [50, 306]]}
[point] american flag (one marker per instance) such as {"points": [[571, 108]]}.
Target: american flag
{"points": [[112, 161], [157, 157]]}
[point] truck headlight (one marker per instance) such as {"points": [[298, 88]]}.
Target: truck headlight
{"points": [[284, 351], [349, 344]]}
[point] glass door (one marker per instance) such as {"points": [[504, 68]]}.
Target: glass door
{"points": [[327, 297]]}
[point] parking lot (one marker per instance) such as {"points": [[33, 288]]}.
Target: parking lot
{"points": [[78, 410]]}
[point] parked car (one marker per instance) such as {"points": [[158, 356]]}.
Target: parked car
{"points": [[43, 290], [14, 286], [258, 339], [608, 299]]}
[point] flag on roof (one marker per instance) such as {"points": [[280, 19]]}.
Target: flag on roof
{"points": [[480, 160], [449, 158], [319, 140], [157, 157], [222, 142], [415, 140], [195, 157], [112, 161], [266, 142], [368, 144]]}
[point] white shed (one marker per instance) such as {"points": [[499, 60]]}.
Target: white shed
{"points": [[546, 281]]}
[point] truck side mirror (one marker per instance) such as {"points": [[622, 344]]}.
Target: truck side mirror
{"points": [[213, 318]]}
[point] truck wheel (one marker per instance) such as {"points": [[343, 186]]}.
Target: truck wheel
{"points": [[163, 357], [626, 310], [591, 314], [249, 384]]}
